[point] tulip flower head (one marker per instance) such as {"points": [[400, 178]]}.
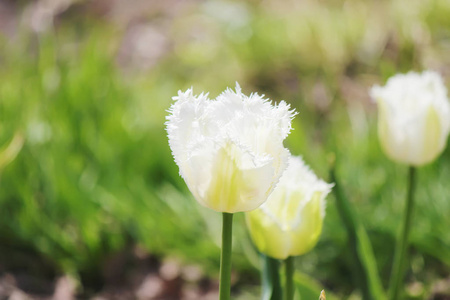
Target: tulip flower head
{"points": [[413, 117], [289, 223], [229, 150]]}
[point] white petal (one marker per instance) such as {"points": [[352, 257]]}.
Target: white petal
{"points": [[231, 179], [290, 221], [235, 136], [405, 103]]}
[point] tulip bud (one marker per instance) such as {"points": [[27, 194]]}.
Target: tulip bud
{"points": [[413, 117], [289, 223], [229, 150]]}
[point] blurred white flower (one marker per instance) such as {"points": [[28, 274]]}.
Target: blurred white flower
{"points": [[40, 14], [289, 223], [234, 15], [413, 117], [39, 132], [229, 150]]}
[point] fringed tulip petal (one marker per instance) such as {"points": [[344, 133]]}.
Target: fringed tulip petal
{"points": [[289, 223], [230, 150]]}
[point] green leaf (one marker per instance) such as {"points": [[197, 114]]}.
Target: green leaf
{"points": [[308, 288], [271, 286]]}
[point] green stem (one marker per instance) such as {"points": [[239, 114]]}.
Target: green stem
{"points": [[225, 257], [271, 279], [398, 267], [289, 268]]}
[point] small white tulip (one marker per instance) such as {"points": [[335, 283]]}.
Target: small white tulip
{"points": [[289, 223], [229, 150], [413, 117]]}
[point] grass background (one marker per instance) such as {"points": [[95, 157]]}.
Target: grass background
{"points": [[86, 170]]}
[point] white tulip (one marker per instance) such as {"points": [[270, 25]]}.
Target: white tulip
{"points": [[413, 117], [229, 150], [289, 223]]}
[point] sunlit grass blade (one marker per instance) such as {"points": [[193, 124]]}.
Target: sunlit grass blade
{"points": [[9, 152]]}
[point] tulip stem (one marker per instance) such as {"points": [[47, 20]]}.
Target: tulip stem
{"points": [[398, 267], [225, 257], [289, 269]]}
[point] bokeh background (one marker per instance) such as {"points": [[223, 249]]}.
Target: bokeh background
{"points": [[91, 203]]}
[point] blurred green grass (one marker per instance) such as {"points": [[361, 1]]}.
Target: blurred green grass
{"points": [[95, 173]]}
